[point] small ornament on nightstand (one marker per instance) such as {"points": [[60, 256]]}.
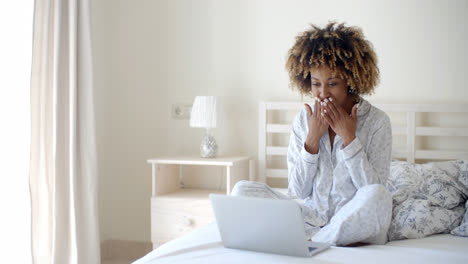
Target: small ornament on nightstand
{"points": [[208, 146]]}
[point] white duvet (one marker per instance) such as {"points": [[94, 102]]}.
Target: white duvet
{"points": [[427, 199], [204, 246]]}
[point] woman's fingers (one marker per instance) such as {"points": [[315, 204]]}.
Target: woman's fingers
{"points": [[327, 119], [330, 109], [309, 110], [316, 107]]}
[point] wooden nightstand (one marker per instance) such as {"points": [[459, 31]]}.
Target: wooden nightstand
{"points": [[176, 211]]}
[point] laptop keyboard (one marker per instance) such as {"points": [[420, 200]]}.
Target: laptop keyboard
{"points": [[312, 249]]}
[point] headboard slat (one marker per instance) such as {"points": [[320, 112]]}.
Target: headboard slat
{"points": [[410, 136], [262, 135], [278, 128], [441, 131], [424, 108], [440, 154], [282, 151], [277, 173]]}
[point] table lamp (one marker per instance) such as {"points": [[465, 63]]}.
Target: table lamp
{"points": [[204, 114]]}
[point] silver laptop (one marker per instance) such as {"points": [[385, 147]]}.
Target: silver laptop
{"points": [[265, 225]]}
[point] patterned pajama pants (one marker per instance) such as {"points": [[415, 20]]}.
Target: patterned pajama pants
{"points": [[365, 218]]}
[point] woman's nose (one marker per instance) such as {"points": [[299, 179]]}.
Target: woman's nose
{"points": [[324, 93]]}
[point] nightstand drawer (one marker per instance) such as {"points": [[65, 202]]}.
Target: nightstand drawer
{"points": [[179, 213]]}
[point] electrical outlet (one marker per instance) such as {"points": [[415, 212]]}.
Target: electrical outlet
{"points": [[181, 110]]}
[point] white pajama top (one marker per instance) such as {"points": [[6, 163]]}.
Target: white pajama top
{"points": [[328, 180]]}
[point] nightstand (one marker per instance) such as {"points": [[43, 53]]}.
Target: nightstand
{"points": [[176, 211]]}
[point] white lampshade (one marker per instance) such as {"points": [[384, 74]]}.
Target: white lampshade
{"points": [[204, 112]]}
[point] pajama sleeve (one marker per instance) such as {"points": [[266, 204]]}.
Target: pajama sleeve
{"points": [[302, 166], [370, 164]]}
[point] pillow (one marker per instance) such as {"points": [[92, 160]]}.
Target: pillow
{"points": [[462, 230], [428, 198], [405, 178], [416, 218], [443, 184]]}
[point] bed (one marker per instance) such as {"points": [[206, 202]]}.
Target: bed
{"points": [[422, 133]]}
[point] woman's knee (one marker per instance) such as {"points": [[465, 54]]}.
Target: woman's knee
{"points": [[376, 198], [379, 199], [241, 188], [376, 192]]}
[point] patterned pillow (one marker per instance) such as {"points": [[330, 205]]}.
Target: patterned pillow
{"points": [[428, 198], [443, 184], [416, 218], [462, 230], [404, 179]]}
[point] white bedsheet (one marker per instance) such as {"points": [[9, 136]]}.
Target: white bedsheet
{"points": [[204, 246]]}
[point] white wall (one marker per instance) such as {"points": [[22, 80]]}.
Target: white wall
{"points": [[151, 54]]}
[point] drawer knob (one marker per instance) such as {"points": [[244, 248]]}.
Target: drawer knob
{"points": [[188, 221]]}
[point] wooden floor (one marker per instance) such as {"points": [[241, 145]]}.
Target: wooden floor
{"points": [[123, 251]]}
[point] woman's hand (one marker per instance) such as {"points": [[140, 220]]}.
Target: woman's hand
{"points": [[343, 124], [317, 127]]}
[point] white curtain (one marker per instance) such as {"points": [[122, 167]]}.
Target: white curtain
{"points": [[63, 178]]}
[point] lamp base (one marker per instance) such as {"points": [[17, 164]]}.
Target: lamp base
{"points": [[208, 146]]}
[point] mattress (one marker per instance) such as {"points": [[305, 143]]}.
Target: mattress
{"points": [[205, 246]]}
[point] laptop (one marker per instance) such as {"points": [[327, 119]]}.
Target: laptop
{"points": [[264, 225]]}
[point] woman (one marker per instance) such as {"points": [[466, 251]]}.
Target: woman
{"points": [[340, 148]]}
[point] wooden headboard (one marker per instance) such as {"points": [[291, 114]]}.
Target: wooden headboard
{"points": [[411, 126]]}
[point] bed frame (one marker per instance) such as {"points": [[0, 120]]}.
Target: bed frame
{"points": [[411, 130], [205, 245]]}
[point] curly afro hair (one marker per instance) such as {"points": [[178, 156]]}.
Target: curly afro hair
{"points": [[342, 49]]}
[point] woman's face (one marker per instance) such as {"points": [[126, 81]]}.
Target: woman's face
{"points": [[324, 85]]}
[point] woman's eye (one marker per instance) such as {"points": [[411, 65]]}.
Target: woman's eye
{"points": [[315, 84], [332, 84]]}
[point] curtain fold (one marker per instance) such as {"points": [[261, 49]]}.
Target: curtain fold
{"points": [[63, 178]]}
